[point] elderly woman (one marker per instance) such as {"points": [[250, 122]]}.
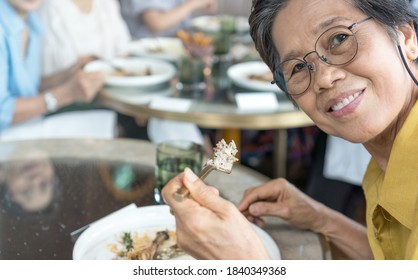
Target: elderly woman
{"points": [[348, 64]]}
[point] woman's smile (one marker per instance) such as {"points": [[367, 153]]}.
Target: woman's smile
{"points": [[345, 105]]}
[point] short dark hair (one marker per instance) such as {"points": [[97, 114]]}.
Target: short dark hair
{"points": [[390, 13]]}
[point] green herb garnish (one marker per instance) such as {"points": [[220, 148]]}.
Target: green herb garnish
{"points": [[127, 241]]}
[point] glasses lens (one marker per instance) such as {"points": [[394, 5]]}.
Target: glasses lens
{"points": [[337, 45], [293, 76]]}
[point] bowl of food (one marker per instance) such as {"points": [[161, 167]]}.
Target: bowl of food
{"points": [[253, 75], [165, 48], [142, 233], [133, 72]]}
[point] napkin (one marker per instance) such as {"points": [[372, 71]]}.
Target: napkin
{"points": [[77, 124], [354, 164], [166, 130], [257, 101], [170, 104]]}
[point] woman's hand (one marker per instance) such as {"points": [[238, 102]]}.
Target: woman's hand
{"points": [[59, 78], [82, 86], [209, 227], [79, 64], [280, 198], [85, 85]]}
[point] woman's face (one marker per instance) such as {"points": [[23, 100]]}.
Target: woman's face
{"points": [[359, 100], [25, 6], [30, 180]]}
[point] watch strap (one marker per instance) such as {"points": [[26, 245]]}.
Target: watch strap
{"points": [[50, 102]]}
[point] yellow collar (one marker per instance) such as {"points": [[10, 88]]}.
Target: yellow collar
{"points": [[399, 191]]}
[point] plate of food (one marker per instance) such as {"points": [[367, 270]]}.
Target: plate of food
{"points": [[166, 48], [253, 75], [133, 72], [213, 23], [141, 233]]}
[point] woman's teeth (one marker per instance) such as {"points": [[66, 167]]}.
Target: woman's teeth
{"points": [[345, 102]]}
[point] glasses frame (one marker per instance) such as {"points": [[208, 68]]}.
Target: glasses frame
{"points": [[310, 67]]}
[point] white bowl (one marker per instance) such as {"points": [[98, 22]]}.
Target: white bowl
{"points": [[161, 71], [93, 243]]}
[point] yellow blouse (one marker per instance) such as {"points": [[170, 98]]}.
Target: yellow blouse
{"points": [[392, 197]]}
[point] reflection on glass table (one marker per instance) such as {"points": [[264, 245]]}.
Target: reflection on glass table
{"points": [[83, 181], [29, 186]]}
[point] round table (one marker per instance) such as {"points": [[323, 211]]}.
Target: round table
{"points": [[214, 109], [51, 188]]}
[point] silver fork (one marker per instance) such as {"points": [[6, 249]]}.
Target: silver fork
{"points": [[111, 63], [183, 192]]}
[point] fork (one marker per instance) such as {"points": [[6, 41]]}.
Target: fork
{"points": [[183, 192], [111, 63], [222, 161]]}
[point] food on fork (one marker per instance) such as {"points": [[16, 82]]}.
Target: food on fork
{"points": [[223, 161], [224, 156]]}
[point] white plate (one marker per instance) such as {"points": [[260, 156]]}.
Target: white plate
{"points": [[161, 71], [240, 73], [93, 243], [213, 23], [165, 48]]}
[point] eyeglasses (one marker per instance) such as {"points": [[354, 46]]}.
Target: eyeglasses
{"points": [[336, 46]]}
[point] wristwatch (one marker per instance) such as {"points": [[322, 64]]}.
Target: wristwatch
{"points": [[50, 102]]}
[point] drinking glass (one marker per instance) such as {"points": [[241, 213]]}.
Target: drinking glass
{"points": [[191, 73], [227, 24], [172, 158]]}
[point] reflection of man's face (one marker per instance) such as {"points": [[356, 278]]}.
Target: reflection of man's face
{"points": [[31, 183]]}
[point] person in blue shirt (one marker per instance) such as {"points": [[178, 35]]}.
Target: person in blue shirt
{"points": [[24, 95]]}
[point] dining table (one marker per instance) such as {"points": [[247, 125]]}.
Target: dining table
{"points": [[52, 188], [215, 106]]}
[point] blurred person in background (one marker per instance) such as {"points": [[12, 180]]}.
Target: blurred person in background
{"points": [[162, 17], [24, 97], [74, 29], [83, 30]]}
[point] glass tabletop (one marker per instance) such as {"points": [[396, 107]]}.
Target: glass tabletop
{"points": [[44, 199], [51, 188]]}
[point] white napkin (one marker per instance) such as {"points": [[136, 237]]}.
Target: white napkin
{"points": [[170, 104], [345, 161], [77, 124], [166, 130], [258, 101]]}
